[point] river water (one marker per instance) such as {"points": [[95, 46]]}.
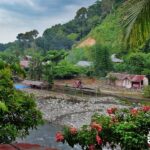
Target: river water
{"points": [[45, 136]]}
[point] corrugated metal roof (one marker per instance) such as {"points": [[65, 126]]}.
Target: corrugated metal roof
{"points": [[84, 63], [115, 60], [131, 77]]}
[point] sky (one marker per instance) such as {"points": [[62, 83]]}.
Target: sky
{"points": [[19, 16]]}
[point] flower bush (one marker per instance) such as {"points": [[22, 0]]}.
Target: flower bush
{"points": [[127, 127]]}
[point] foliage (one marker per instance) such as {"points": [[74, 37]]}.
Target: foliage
{"points": [[147, 92], [11, 61], [110, 32], [66, 70], [35, 67], [135, 63], [137, 22], [50, 66], [101, 60], [18, 112], [77, 54], [27, 39], [9, 58], [64, 36], [127, 127]]}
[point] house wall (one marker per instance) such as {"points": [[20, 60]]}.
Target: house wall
{"points": [[127, 84], [119, 83], [145, 81]]}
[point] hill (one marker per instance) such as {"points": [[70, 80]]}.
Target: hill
{"points": [[109, 33]]}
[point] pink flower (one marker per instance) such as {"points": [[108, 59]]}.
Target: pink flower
{"points": [[59, 137], [146, 108], [134, 111], [73, 130], [92, 147], [98, 140], [96, 126], [111, 110]]}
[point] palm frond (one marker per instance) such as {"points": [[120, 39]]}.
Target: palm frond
{"points": [[137, 22]]}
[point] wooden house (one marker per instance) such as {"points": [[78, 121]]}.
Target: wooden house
{"points": [[127, 80]]}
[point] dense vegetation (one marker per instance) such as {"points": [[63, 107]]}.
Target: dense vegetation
{"points": [[18, 112], [64, 36], [127, 127]]}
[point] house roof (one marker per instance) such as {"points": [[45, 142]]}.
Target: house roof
{"points": [[84, 63], [131, 77], [30, 83], [115, 59], [24, 63], [119, 76], [137, 78]]}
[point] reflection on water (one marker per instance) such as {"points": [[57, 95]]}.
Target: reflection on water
{"points": [[45, 136]]}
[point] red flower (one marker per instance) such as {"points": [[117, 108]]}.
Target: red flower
{"points": [[73, 130], [92, 147], [146, 108], [96, 126], [59, 137], [98, 140], [134, 111], [111, 110]]}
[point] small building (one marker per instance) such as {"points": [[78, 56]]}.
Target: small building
{"points": [[127, 80], [114, 59], [84, 64], [24, 63], [35, 84]]}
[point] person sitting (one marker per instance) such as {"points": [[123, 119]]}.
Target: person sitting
{"points": [[78, 84]]}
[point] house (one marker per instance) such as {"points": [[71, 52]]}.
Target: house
{"points": [[114, 59], [127, 80], [24, 63], [84, 64]]}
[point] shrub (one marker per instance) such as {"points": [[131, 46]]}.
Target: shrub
{"points": [[127, 127], [18, 112], [66, 70], [147, 92]]}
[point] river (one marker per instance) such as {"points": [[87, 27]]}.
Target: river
{"points": [[45, 136]]}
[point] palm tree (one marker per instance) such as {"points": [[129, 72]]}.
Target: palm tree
{"points": [[137, 22]]}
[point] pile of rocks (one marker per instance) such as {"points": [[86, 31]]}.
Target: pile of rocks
{"points": [[75, 112]]}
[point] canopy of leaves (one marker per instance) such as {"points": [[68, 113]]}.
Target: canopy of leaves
{"points": [[18, 112], [137, 22]]}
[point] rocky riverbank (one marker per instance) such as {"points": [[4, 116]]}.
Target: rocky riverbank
{"points": [[65, 109]]}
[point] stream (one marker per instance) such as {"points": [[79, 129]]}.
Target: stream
{"points": [[45, 136]]}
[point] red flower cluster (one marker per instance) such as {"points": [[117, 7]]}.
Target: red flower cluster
{"points": [[59, 137], [134, 111], [73, 130], [92, 147], [96, 126], [146, 108], [111, 110], [98, 140]]}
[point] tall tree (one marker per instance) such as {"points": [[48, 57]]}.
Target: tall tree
{"points": [[101, 59]]}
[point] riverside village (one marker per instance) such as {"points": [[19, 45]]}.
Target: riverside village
{"points": [[75, 75]]}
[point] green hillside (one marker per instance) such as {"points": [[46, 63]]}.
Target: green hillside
{"points": [[110, 33]]}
